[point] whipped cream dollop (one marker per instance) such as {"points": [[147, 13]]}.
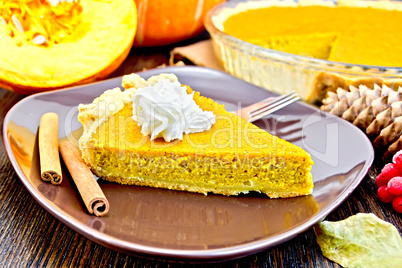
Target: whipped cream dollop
{"points": [[165, 109]]}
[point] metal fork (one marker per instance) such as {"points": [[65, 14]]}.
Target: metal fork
{"points": [[267, 106]]}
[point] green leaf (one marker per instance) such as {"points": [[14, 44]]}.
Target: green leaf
{"points": [[362, 240]]}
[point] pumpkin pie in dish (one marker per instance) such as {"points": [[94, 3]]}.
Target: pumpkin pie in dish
{"points": [[349, 39], [357, 32], [215, 151]]}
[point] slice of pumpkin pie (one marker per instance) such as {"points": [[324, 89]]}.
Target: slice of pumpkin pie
{"points": [[160, 133]]}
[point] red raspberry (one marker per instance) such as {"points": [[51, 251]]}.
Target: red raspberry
{"points": [[381, 180], [397, 159], [384, 195], [388, 172], [395, 186], [397, 204]]}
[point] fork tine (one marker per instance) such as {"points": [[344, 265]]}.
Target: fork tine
{"points": [[276, 101], [275, 107], [269, 105]]}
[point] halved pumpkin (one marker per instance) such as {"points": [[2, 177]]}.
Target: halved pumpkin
{"points": [[51, 44]]}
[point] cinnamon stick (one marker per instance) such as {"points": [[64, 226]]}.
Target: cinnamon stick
{"points": [[48, 149], [92, 195]]}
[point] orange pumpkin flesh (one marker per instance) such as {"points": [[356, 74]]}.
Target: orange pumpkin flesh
{"points": [[84, 41], [164, 22]]}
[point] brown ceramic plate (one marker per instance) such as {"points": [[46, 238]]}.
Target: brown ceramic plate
{"points": [[181, 225]]}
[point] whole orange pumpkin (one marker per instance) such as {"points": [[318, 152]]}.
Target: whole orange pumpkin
{"points": [[53, 44], [164, 22]]}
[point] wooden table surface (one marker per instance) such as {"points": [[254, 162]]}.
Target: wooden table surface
{"points": [[32, 237]]}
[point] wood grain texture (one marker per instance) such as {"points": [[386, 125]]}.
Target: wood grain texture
{"points": [[31, 237]]}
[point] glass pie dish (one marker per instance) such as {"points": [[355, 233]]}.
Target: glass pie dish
{"points": [[283, 72]]}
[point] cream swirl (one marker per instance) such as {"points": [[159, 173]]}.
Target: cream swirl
{"points": [[165, 109]]}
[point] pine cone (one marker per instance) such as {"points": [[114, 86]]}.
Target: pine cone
{"points": [[384, 118], [377, 111]]}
